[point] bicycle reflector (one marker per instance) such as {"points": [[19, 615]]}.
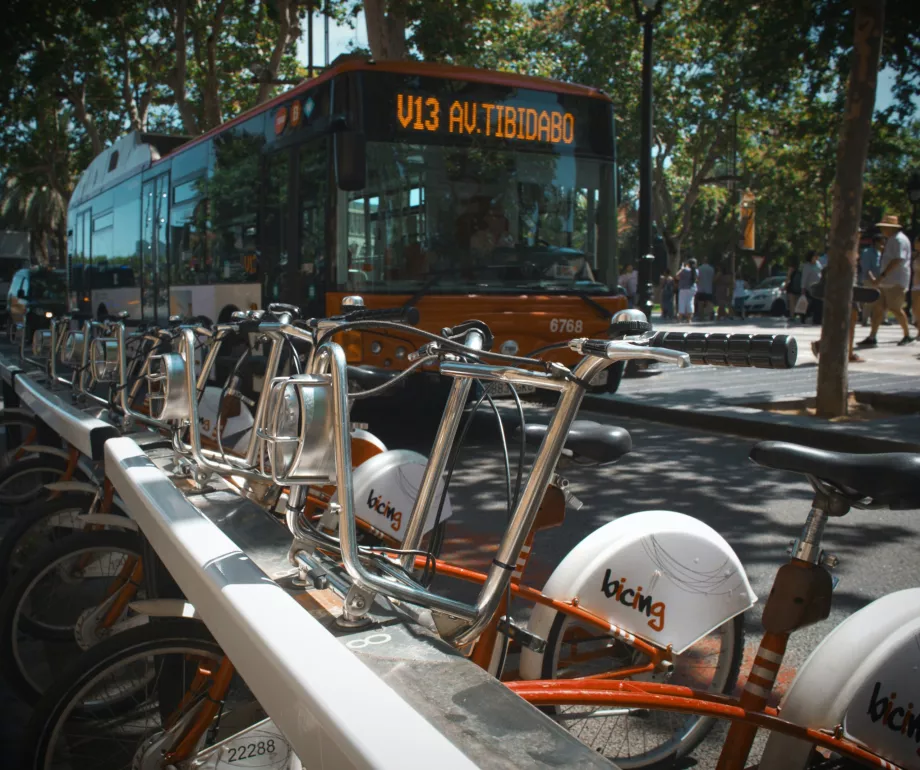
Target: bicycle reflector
{"points": [[41, 343], [73, 349], [298, 429], [103, 357], [167, 389]]}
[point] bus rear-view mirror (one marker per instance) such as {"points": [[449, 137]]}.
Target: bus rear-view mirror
{"points": [[350, 160]]}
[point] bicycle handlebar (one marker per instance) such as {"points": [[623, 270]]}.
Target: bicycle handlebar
{"points": [[408, 315], [762, 351]]}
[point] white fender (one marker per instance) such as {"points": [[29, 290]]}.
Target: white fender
{"points": [[112, 520], [42, 449], [237, 429], [72, 486], [663, 576], [867, 665], [163, 608], [385, 489]]}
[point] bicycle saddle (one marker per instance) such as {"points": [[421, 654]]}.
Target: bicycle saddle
{"points": [[588, 442], [891, 479]]}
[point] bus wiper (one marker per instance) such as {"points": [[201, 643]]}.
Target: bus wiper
{"points": [[596, 306], [413, 300]]}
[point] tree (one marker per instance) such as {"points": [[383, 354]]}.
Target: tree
{"points": [[852, 149]]}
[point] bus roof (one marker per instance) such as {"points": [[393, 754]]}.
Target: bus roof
{"points": [[346, 63]]}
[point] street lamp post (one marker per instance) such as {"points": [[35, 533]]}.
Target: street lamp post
{"points": [[646, 13]]}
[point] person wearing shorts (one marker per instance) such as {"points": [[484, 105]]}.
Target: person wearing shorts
{"points": [[893, 282], [915, 285], [686, 284]]}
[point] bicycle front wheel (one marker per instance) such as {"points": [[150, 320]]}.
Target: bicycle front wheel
{"points": [[47, 613], [24, 481], [111, 709], [631, 737]]}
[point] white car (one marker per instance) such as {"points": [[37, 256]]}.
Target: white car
{"points": [[768, 296]]}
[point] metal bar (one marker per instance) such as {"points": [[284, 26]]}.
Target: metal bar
{"points": [[265, 632], [440, 451]]}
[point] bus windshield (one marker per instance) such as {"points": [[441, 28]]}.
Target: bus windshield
{"points": [[475, 220]]}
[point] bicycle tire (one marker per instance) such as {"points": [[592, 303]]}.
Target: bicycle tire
{"points": [[15, 550], [21, 635], [33, 472], [173, 636], [698, 731], [17, 417]]}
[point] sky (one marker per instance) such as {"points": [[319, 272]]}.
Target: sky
{"points": [[343, 38]]}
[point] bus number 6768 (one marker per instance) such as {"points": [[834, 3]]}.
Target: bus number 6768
{"points": [[569, 325]]}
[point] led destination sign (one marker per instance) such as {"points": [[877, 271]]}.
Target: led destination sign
{"points": [[463, 117]]}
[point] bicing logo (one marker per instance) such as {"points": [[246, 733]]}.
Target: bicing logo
{"points": [[634, 598], [894, 717], [385, 509]]}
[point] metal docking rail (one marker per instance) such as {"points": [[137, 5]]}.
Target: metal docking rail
{"points": [[388, 695]]}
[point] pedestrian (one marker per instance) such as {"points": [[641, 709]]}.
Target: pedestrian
{"points": [[915, 285], [722, 292], [706, 289], [861, 294], [811, 274], [738, 297], [687, 285], [793, 287], [666, 284], [893, 281], [629, 280], [869, 260]]}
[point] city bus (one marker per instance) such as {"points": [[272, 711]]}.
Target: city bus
{"points": [[465, 193]]}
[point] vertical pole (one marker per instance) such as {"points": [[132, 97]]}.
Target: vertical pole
{"points": [[310, 40], [326, 34], [645, 258]]}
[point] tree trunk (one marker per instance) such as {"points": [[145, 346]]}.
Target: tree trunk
{"points": [[77, 97], [848, 190], [386, 30], [179, 75], [288, 31]]}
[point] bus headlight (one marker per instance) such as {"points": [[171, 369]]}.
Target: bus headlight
{"points": [[376, 347], [41, 343], [298, 429], [509, 348], [401, 352], [73, 348], [49, 314], [103, 356], [166, 388]]}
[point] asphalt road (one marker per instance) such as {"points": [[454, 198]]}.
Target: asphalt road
{"points": [[702, 474], [705, 475]]}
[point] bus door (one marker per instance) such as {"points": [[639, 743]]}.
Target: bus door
{"points": [[275, 227], [313, 223], [79, 263], [154, 250]]}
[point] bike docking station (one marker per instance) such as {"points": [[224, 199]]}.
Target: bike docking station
{"points": [[385, 694]]}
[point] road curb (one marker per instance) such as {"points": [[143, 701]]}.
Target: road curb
{"points": [[796, 430]]}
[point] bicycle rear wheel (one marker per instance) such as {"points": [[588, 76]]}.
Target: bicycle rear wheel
{"points": [[112, 708], [630, 737]]}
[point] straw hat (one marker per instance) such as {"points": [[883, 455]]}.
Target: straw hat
{"points": [[889, 223]]}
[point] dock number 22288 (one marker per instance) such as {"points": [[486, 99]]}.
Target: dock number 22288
{"points": [[565, 325]]}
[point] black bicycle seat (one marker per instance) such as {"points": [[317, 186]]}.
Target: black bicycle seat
{"points": [[890, 479], [588, 442]]}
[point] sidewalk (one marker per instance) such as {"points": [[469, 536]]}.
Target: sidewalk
{"points": [[724, 399]]}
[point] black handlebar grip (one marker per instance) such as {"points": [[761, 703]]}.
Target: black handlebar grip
{"points": [[762, 351], [597, 348], [408, 315]]}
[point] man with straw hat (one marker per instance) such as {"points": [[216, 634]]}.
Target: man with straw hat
{"points": [[893, 281]]}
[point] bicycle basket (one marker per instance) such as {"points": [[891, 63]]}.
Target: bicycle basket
{"points": [[298, 429], [41, 343], [73, 349], [167, 389], [103, 357]]}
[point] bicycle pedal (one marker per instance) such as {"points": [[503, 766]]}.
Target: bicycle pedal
{"points": [[523, 637]]}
